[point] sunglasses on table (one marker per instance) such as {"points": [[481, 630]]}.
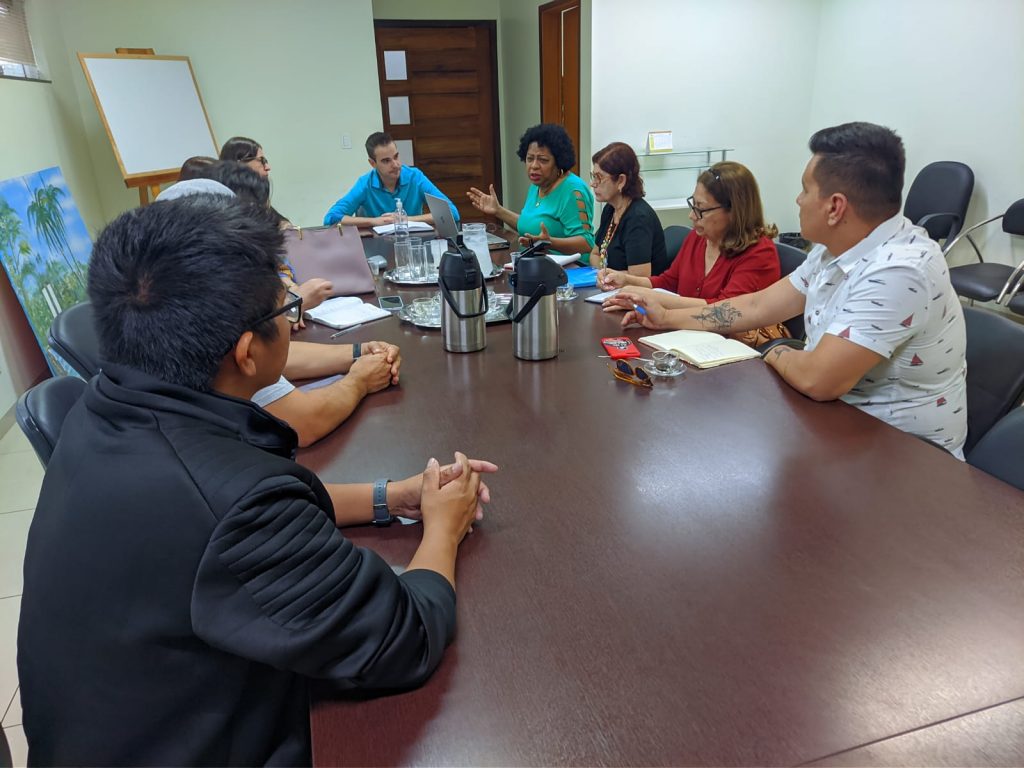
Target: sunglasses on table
{"points": [[636, 376]]}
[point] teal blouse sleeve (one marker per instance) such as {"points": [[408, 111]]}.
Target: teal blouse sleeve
{"points": [[567, 212]]}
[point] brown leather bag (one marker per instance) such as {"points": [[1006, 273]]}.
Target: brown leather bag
{"points": [[334, 253], [759, 336]]}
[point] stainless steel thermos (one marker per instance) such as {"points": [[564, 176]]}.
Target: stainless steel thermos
{"points": [[534, 308], [464, 303]]}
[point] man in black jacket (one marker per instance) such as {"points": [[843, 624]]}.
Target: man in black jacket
{"points": [[184, 577]]}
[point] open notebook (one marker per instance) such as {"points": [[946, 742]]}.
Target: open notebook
{"points": [[701, 348], [345, 311]]}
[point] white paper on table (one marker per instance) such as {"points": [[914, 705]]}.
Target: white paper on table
{"points": [[598, 298], [346, 311], [562, 260], [414, 226]]}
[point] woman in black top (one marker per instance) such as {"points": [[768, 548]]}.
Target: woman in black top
{"points": [[630, 237]]}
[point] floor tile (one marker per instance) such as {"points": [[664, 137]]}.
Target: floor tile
{"points": [[13, 536], [14, 441], [9, 609], [18, 746], [21, 476], [13, 716]]}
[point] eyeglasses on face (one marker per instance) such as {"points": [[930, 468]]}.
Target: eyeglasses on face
{"points": [[698, 211], [637, 376], [291, 309], [261, 160], [599, 178]]}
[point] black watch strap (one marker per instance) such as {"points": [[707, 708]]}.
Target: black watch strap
{"points": [[357, 350], [381, 513]]}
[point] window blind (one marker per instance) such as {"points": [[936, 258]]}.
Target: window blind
{"points": [[14, 41]]}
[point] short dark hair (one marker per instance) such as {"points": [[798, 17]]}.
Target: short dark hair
{"points": [[174, 285], [193, 167], [553, 137], [248, 185], [865, 162], [619, 159], [240, 149], [374, 140]]}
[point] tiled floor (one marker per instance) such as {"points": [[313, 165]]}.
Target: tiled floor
{"points": [[20, 478]]}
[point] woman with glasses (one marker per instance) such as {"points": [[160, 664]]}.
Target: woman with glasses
{"points": [[559, 207], [630, 237], [248, 152], [729, 252]]}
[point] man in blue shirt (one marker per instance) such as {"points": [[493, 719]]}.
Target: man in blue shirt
{"points": [[373, 195]]}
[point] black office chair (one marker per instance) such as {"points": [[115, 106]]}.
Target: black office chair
{"points": [[73, 337], [1001, 450], [674, 237], [995, 370], [939, 197], [789, 259], [985, 281], [41, 411]]}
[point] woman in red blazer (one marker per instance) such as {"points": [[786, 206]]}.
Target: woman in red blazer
{"points": [[729, 252]]}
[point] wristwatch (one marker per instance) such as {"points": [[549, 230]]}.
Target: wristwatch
{"points": [[381, 514], [357, 350]]}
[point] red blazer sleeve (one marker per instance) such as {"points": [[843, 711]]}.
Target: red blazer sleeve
{"points": [[756, 269], [669, 279]]}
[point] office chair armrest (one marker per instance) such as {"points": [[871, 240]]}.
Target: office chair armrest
{"points": [[764, 349], [1013, 284], [925, 219]]}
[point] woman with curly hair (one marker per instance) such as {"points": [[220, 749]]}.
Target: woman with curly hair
{"points": [[558, 205]]}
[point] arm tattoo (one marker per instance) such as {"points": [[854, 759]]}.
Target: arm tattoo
{"points": [[718, 317]]}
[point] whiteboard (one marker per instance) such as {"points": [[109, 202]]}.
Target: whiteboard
{"points": [[152, 110]]}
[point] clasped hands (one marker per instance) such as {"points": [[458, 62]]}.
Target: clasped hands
{"points": [[452, 495]]}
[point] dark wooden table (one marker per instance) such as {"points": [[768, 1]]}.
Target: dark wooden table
{"points": [[716, 572]]}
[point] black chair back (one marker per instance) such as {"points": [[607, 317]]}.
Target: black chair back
{"points": [[999, 452], [789, 259], [41, 411], [674, 237], [995, 370], [73, 337], [939, 197]]}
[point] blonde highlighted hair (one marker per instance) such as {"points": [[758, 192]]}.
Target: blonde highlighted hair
{"points": [[734, 187]]}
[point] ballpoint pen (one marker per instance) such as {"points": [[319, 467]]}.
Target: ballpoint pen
{"points": [[345, 330]]}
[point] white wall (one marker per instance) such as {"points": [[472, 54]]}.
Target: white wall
{"points": [[948, 76], [737, 74], [294, 76]]}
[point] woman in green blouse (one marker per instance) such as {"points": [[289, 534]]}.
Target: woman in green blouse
{"points": [[559, 206]]}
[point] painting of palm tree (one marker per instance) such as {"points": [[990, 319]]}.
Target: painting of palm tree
{"points": [[44, 248]]}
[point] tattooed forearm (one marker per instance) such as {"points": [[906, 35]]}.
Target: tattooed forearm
{"points": [[718, 317]]}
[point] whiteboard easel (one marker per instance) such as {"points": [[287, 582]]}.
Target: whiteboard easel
{"points": [[130, 90]]}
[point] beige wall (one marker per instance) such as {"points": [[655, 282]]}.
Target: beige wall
{"points": [[295, 76]]}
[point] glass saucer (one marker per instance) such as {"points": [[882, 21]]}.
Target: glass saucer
{"points": [[649, 367]]}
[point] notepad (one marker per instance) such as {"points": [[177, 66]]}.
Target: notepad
{"points": [[598, 298], [345, 311], [559, 259], [414, 226], [702, 349]]}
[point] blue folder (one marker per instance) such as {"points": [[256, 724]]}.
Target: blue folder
{"points": [[582, 277]]}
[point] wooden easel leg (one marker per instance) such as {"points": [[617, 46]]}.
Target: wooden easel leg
{"points": [[143, 196]]}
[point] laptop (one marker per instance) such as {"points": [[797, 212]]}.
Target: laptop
{"points": [[445, 226]]}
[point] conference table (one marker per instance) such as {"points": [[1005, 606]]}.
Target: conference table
{"points": [[715, 571]]}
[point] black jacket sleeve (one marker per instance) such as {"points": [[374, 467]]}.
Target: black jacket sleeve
{"points": [[279, 584]]}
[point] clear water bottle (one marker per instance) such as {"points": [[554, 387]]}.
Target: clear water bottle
{"points": [[401, 222]]}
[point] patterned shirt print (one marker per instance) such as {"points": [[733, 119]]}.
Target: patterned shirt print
{"points": [[891, 294]]}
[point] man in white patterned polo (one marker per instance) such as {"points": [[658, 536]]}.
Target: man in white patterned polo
{"points": [[885, 330]]}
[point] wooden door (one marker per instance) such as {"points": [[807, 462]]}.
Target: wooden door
{"points": [[560, 67], [439, 88]]}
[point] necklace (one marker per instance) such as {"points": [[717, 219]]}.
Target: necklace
{"points": [[612, 226], [542, 194]]}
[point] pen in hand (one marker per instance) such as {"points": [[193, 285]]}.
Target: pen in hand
{"points": [[345, 330]]}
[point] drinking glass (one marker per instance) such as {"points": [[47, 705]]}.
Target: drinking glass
{"points": [[403, 259]]}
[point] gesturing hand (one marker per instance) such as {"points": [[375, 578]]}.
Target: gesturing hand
{"points": [[484, 201], [527, 240]]}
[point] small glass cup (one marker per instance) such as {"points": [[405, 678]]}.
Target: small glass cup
{"points": [[667, 363], [565, 292]]}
